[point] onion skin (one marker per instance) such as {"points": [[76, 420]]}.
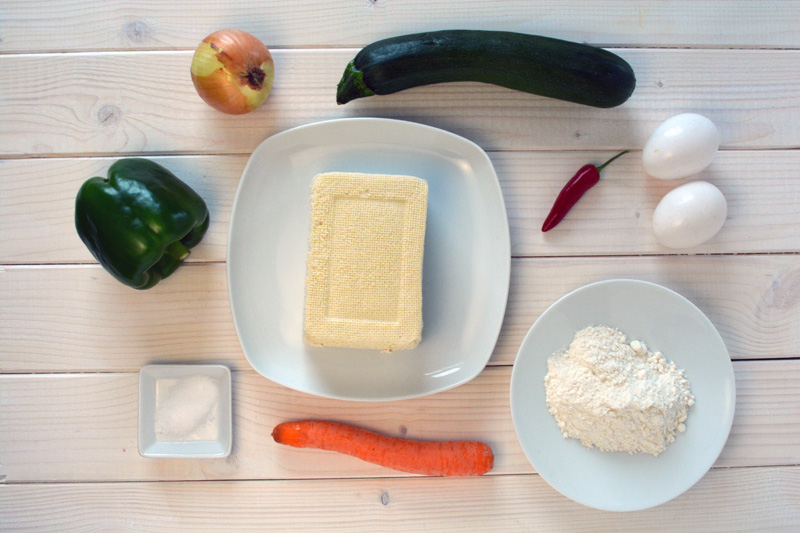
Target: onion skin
{"points": [[233, 71]]}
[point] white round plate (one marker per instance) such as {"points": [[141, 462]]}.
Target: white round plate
{"points": [[665, 321], [466, 260]]}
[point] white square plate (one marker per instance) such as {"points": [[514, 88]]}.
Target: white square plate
{"points": [[465, 275], [158, 399]]}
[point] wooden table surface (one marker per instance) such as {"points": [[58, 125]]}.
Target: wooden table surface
{"points": [[83, 83]]}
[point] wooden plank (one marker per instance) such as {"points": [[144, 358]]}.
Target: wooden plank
{"points": [[762, 189], [116, 102], [83, 427], [52, 25], [725, 500], [760, 388], [37, 204], [764, 498], [80, 319], [753, 301]]}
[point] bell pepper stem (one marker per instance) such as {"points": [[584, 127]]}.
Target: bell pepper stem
{"points": [[604, 165], [174, 254]]}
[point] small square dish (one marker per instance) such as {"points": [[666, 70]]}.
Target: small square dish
{"points": [[185, 411]]}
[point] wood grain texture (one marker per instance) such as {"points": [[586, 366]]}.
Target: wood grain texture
{"points": [[78, 318], [766, 499], [753, 301], [53, 25], [83, 427], [762, 189], [37, 204], [117, 102], [123, 88]]}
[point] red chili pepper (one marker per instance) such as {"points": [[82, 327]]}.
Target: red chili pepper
{"points": [[586, 178]]}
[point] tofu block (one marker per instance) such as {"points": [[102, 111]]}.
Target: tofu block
{"points": [[364, 268]]}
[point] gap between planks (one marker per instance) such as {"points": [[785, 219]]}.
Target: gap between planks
{"points": [[253, 372], [204, 153], [324, 479], [21, 266], [357, 47]]}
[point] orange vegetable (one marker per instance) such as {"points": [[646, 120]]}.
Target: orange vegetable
{"points": [[450, 458]]}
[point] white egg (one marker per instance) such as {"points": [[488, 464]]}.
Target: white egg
{"points": [[689, 215], [680, 147]]}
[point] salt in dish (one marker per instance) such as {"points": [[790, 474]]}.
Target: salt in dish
{"points": [[185, 411]]}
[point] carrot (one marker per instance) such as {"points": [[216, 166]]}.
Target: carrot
{"points": [[450, 458]]}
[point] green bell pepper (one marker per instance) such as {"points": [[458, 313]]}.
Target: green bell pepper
{"points": [[140, 222]]}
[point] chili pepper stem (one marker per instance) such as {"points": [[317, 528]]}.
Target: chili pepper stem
{"points": [[604, 165]]}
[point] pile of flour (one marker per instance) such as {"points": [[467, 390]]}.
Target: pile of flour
{"points": [[614, 395]]}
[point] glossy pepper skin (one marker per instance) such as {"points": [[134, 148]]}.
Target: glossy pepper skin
{"points": [[583, 180], [140, 221]]}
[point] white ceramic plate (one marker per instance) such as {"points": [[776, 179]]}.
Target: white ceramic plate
{"points": [[466, 262], [211, 437], [666, 322]]}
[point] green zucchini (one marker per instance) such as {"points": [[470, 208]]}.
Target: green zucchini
{"points": [[539, 65]]}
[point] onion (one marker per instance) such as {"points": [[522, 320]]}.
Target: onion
{"points": [[233, 71]]}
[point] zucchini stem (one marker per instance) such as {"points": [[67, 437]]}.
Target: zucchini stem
{"points": [[352, 85]]}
